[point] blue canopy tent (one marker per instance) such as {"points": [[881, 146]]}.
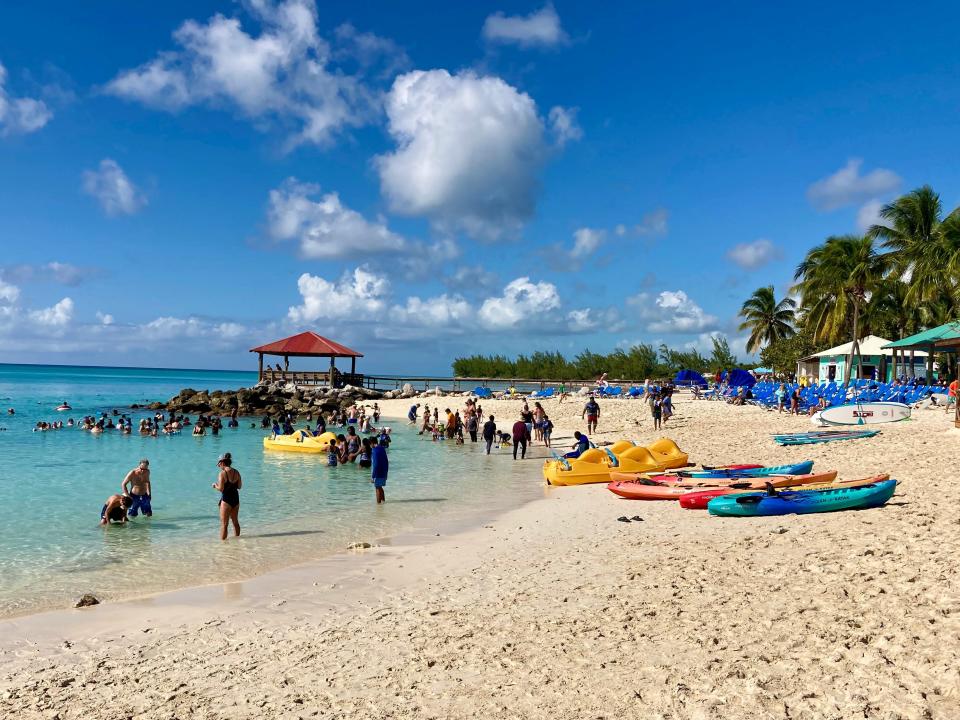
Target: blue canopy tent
{"points": [[741, 378], [688, 378]]}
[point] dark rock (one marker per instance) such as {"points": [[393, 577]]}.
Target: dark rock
{"points": [[86, 601]]}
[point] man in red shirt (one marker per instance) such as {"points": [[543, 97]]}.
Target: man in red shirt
{"points": [[521, 436]]}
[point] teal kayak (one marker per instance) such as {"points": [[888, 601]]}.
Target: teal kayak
{"points": [[790, 502], [822, 436]]}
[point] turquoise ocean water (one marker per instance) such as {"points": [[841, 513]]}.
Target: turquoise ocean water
{"points": [[293, 507]]}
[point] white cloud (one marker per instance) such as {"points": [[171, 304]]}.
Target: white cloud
{"points": [[563, 125], [115, 192], [57, 315], [105, 318], [753, 255], [847, 186], [869, 215], [672, 311], [541, 28], [585, 242], [521, 301], [8, 293], [653, 223], [325, 228], [361, 293], [20, 116], [470, 150], [471, 277], [282, 73], [591, 319], [439, 312]]}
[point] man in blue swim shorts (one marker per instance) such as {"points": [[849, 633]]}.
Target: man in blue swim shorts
{"points": [[137, 485]]}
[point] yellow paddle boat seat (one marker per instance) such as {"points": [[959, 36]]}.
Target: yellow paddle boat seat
{"points": [[595, 465]]}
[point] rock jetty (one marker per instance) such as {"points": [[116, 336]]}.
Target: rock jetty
{"points": [[277, 398]]}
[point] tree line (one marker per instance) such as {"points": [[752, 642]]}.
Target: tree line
{"points": [[900, 277], [638, 363]]}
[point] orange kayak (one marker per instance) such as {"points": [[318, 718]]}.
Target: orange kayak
{"points": [[651, 490]]}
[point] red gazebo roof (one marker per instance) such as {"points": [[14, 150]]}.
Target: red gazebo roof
{"points": [[307, 344]]}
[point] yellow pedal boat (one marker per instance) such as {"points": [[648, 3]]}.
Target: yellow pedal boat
{"points": [[299, 441], [595, 465]]}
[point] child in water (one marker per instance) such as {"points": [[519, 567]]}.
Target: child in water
{"points": [[332, 454]]}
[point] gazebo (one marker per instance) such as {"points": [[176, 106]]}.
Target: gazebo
{"points": [[939, 339], [308, 344]]}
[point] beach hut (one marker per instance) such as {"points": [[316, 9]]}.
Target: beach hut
{"points": [[944, 338], [875, 362], [308, 344]]}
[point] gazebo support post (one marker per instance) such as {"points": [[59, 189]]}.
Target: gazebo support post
{"points": [[930, 366], [353, 366], [333, 367], [913, 371], [260, 367]]}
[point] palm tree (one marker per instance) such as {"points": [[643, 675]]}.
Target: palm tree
{"points": [[836, 280], [767, 320], [925, 249]]}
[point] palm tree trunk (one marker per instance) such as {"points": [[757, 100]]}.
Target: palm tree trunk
{"points": [[855, 345]]}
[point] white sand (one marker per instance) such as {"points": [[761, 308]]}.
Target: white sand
{"points": [[559, 610]]}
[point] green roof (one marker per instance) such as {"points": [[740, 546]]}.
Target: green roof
{"points": [[927, 338]]}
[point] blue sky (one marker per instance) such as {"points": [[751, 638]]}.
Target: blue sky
{"points": [[182, 181]]}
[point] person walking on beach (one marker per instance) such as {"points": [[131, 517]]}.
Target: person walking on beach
{"points": [[656, 409], [546, 429], [489, 433], [228, 484], [137, 485], [591, 411], [412, 415], [379, 466], [521, 436]]}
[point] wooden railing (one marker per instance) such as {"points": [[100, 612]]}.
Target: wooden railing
{"points": [[300, 377]]}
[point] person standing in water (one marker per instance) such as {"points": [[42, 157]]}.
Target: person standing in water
{"points": [[228, 484], [115, 509], [380, 465], [137, 485]]}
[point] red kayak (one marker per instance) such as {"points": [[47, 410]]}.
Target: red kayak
{"points": [[651, 490], [698, 499]]}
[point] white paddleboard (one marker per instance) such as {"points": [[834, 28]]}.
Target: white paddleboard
{"points": [[868, 413]]}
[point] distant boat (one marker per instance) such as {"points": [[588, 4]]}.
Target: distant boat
{"points": [[868, 413], [63, 406]]}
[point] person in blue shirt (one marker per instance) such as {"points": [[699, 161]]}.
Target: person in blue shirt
{"points": [[332, 454], [581, 446], [379, 467]]}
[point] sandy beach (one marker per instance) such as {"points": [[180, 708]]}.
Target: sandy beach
{"points": [[556, 608]]}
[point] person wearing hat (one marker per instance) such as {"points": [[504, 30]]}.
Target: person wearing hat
{"points": [[228, 484], [137, 485]]}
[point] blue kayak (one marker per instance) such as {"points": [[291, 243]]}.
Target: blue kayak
{"points": [[800, 468], [822, 436], [792, 502]]}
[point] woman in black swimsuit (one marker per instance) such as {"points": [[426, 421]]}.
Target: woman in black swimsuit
{"points": [[228, 483]]}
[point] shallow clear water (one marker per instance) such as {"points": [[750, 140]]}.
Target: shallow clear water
{"points": [[293, 507]]}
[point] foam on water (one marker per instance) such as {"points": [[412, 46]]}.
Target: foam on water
{"points": [[293, 507]]}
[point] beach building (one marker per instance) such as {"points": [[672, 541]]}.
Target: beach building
{"points": [[308, 344], [876, 361]]}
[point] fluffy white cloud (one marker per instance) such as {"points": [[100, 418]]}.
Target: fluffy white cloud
{"points": [[20, 116], [283, 72], [470, 150], [57, 315], [111, 187], [752, 255], [672, 311], [847, 186], [324, 228], [9, 293], [362, 292], [563, 125], [585, 242], [438, 312], [522, 300], [105, 318], [541, 28], [591, 319]]}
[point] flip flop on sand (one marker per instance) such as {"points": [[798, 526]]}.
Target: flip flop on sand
{"points": [[623, 518]]}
